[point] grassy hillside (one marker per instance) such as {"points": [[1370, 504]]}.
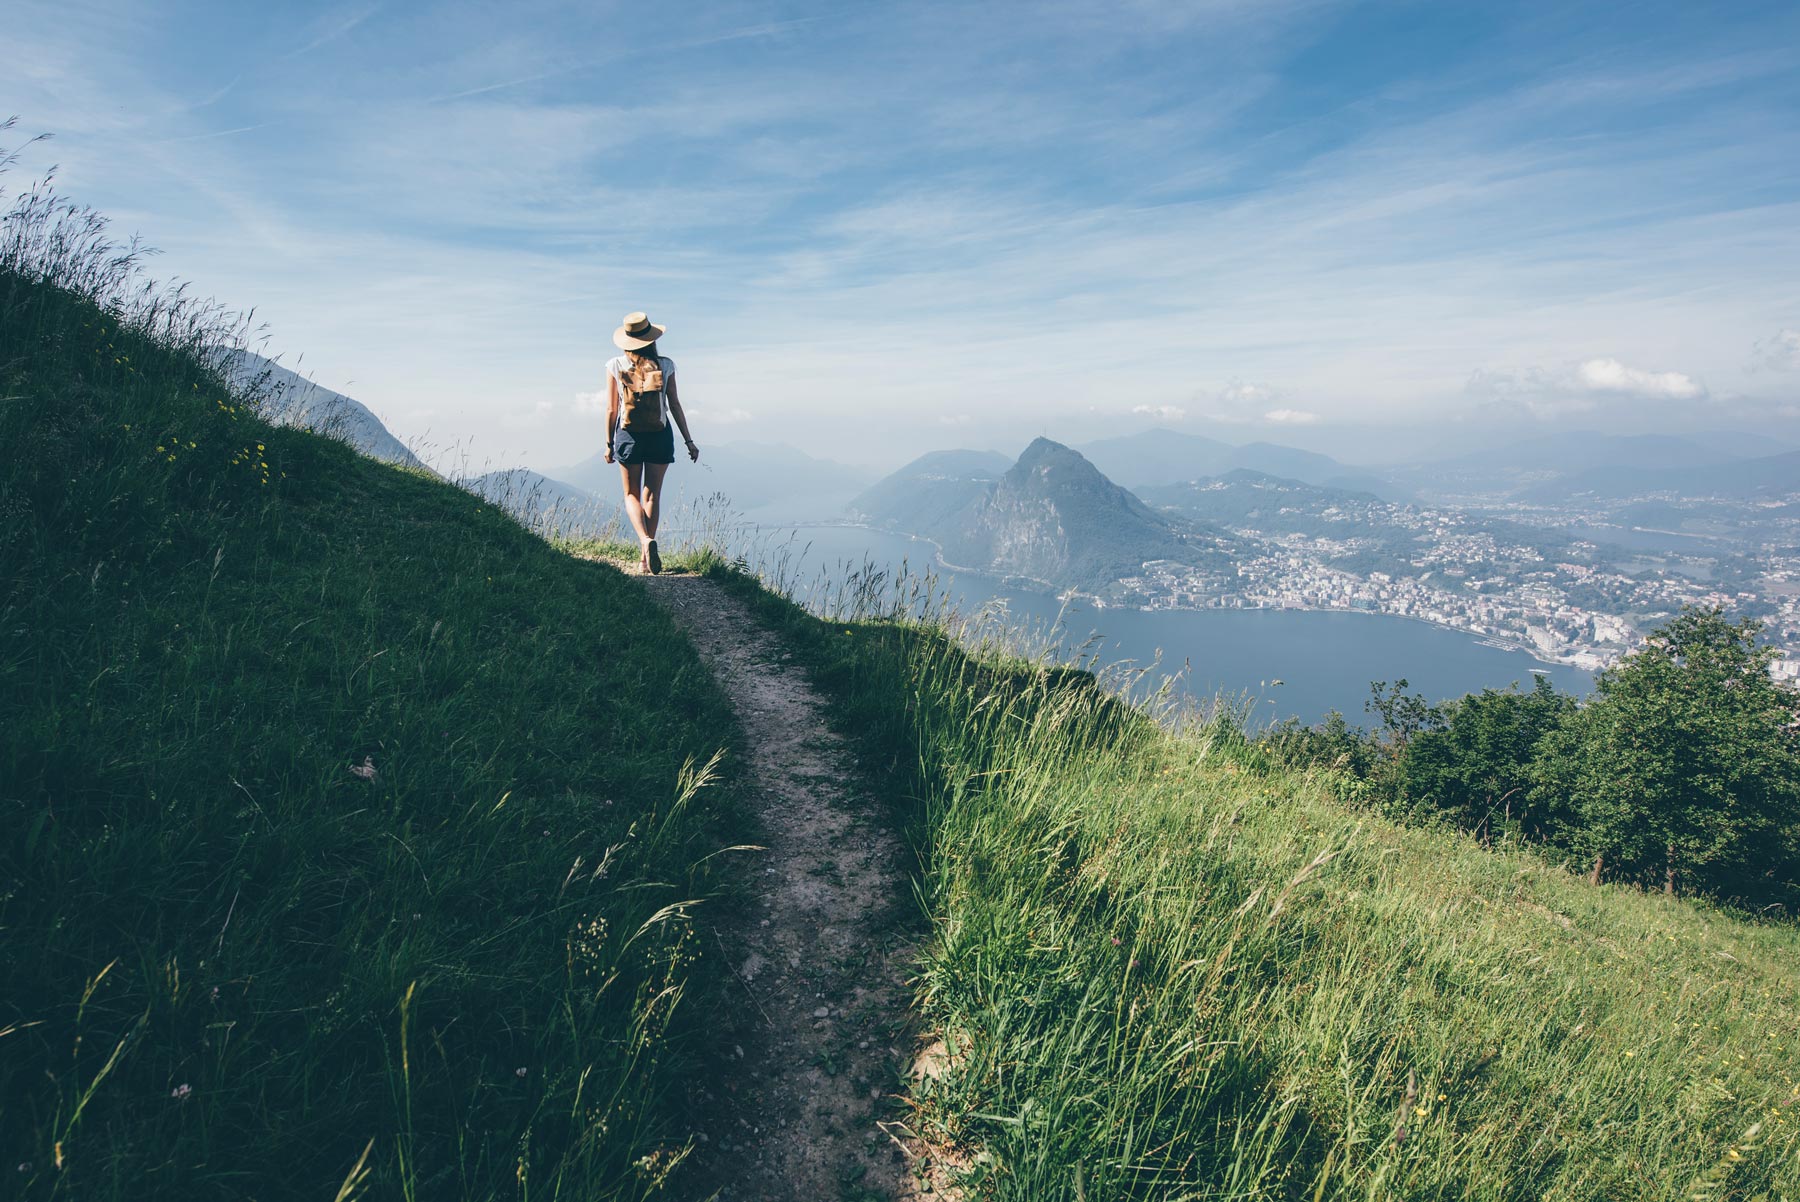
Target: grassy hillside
{"points": [[1164, 969], [349, 831]]}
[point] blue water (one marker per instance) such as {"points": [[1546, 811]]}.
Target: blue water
{"points": [[1284, 663]]}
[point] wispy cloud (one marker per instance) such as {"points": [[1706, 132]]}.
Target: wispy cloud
{"points": [[1780, 351], [763, 30], [217, 133], [1205, 203], [334, 25]]}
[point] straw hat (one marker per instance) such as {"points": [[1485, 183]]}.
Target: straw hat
{"points": [[636, 334]]}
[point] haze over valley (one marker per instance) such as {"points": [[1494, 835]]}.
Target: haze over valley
{"points": [[1568, 549]]}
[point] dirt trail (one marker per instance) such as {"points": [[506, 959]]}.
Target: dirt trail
{"points": [[814, 1055]]}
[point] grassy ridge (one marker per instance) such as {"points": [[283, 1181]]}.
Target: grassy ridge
{"points": [[232, 964], [1164, 968]]}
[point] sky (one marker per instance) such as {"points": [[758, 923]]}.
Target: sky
{"points": [[1379, 230]]}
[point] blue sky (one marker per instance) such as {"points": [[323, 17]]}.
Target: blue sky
{"points": [[879, 229]]}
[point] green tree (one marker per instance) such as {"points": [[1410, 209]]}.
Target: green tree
{"points": [[1684, 765], [1333, 743], [1476, 766]]}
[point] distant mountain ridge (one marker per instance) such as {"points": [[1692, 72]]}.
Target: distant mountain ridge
{"points": [[549, 506], [1163, 457], [1550, 468], [1736, 480], [293, 400], [935, 494]]}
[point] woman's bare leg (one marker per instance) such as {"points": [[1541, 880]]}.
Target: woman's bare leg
{"points": [[633, 474], [653, 479]]}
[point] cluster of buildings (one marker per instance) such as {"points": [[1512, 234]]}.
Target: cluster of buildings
{"points": [[1562, 612]]}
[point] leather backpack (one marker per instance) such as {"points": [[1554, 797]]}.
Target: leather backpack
{"points": [[641, 395]]}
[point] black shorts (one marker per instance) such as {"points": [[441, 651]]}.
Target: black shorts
{"points": [[648, 446]]}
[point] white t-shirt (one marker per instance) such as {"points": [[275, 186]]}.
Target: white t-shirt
{"points": [[619, 366]]}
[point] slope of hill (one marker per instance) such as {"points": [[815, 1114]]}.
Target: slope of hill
{"points": [[1162, 457], [1162, 966], [342, 817], [290, 399]]}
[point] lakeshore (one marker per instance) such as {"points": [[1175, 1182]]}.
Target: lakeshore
{"points": [[1282, 661]]}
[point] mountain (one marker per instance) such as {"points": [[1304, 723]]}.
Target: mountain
{"points": [[291, 399], [1548, 462], [546, 505], [934, 494], [1161, 457], [1739, 444], [1052, 517], [751, 476], [1734, 480]]}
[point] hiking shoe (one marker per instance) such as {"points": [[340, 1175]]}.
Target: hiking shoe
{"points": [[653, 557]]}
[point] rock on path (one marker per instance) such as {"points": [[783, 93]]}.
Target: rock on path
{"points": [[813, 1056]]}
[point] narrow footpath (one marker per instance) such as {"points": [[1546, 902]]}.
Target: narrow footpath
{"points": [[813, 1057]]}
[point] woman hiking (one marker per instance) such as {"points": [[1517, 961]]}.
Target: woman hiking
{"points": [[640, 400]]}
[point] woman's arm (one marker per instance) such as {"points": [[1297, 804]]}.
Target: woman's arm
{"points": [[681, 421], [612, 412]]}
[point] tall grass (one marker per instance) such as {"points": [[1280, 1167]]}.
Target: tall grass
{"points": [[1165, 968], [349, 834]]}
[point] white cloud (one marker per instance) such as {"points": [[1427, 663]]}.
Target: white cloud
{"points": [[1291, 417], [1162, 413], [1780, 351], [1609, 375], [1584, 387], [955, 419], [590, 402], [1242, 392]]}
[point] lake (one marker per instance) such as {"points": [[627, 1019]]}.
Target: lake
{"points": [[1285, 663]]}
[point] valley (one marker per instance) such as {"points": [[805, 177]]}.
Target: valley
{"points": [[1575, 581]]}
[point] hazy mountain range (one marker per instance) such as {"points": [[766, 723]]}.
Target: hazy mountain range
{"points": [[1076, 516], [1160, 456], [1730, 479], [1550, 469]]}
